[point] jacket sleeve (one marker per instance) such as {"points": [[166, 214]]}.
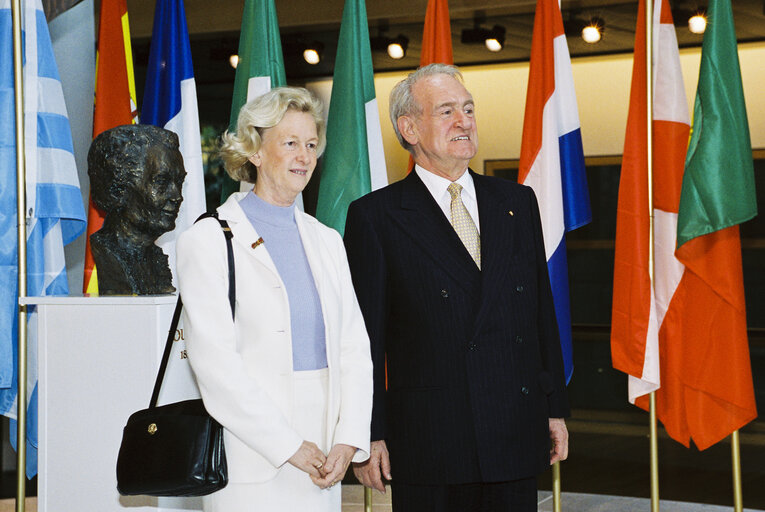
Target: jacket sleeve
{"points": [[549, 337], [355, 364], [367, 265], [230, 394]]}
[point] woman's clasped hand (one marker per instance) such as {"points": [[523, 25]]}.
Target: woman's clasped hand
{"points": [[325, 471]]}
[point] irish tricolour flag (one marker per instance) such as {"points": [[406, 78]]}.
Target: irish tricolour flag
{"points": [[260, 68], [354, 163], [552, 161]]}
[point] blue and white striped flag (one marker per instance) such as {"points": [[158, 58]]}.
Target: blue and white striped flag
{"points": [[55, 213], [170, 102], [552, 159]]}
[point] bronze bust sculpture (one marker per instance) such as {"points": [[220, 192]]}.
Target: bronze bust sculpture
{"points": [[136, 174]]}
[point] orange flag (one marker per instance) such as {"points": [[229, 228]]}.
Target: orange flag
{"points": [[707, 391], [437, 34], [675, 335], [640, 305], [436, 39], [115, 101]]}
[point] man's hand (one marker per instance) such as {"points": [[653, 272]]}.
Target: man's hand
{"points": [[369, 472], [309, 458], [559, 437], [336, 465]]}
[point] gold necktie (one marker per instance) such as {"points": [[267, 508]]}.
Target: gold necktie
{"points": [[463, 224]]}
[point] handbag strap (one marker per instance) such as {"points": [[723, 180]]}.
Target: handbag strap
{"points": [[228, 235]]}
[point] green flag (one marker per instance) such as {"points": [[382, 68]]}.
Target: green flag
{"points": [[718, 185], [261, 65], [354, 162]]}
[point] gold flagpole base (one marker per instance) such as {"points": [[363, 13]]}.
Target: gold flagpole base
{"points": [[735, 448], [556, 487], [654, 441], [367, 499]]}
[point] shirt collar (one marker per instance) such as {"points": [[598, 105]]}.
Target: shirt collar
{"points": [[437, 185]]}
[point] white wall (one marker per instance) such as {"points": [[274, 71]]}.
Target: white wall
{"points": [[602, 86]]}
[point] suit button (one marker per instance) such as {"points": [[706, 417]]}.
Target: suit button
{"points": [[519, 288], [444, 293], [472, 346], [525, 390], [518, 339]]}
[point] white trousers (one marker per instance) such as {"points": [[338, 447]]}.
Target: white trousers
{"points": [[291, 490]]}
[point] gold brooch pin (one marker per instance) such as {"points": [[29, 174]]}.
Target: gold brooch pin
{"points": [[256, 244], [510, 213]]}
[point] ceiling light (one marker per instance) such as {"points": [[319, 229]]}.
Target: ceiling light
{"points": [[312, 53], [493, 45], [233, 59], [311, 56], [493, 39], [697, 23], [496, 39], [593, 32], [397, 47]]}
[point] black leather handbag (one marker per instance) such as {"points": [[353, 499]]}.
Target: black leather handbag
{"points": [[175, 449]]}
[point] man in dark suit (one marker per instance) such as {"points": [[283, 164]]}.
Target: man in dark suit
{"points": [[449, 269]]}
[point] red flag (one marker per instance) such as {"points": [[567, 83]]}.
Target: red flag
{"points": [[437, 34], [643, 310], [707, 391], [436, 40], [115, 102]]}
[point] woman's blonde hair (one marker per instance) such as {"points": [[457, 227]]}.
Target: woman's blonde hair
{"points": [[258, 115]]}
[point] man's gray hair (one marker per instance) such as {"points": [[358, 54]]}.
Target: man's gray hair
{"points": [[402, 102]]}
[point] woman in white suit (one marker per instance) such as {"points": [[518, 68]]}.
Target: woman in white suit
{"points": [[290, 377]]}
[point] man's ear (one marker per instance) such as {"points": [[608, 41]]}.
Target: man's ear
{"points": [[408, 129]]}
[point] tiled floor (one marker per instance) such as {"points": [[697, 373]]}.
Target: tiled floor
{"points": [[353, 501]]}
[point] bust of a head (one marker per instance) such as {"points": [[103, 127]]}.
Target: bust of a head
{"points": [[136, 175]]}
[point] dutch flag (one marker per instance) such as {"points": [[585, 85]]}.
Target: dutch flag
{"points": [[552, 160]]}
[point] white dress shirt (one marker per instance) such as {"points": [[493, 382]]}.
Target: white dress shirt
{"points": [[437, 186]]}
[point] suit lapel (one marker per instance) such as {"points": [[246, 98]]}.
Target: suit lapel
{"points": [[497, 233], [421, 218]]}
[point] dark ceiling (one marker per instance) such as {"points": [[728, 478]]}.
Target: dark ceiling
{"points": [[213, 73]]}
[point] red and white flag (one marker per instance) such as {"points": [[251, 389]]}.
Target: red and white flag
{"points": [[638, 325]]}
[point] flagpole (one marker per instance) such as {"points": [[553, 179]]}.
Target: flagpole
{"points": [[21, 397], [367, 499], [654, 440], [735, 447], [556, 487]]}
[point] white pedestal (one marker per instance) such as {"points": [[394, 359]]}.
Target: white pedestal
{"points": [[97, 360]]}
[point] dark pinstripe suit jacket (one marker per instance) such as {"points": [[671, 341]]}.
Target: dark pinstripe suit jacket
{"points": [[473, 358]]}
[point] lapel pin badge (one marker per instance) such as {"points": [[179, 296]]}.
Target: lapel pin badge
{"points": [[510, 213], [257, 243]]}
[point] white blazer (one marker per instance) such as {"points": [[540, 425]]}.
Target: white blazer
{"points": [[244, 367]]}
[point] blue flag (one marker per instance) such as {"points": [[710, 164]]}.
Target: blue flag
{"points": [[55, 213], [170, 102]]}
